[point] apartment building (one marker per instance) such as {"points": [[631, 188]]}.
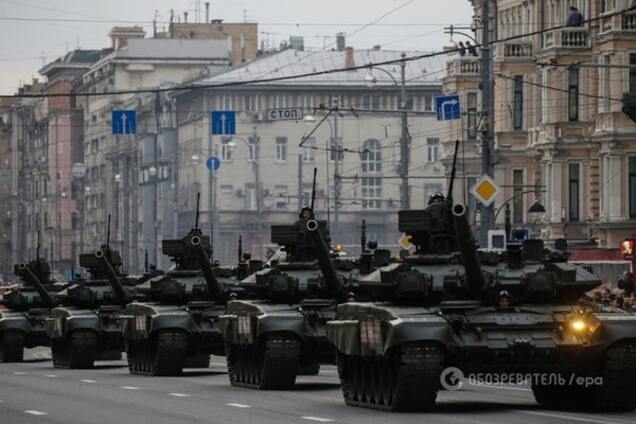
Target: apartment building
{"points": [[265, 177], [560, 135]]}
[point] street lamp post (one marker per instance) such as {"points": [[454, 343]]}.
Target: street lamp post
{"points": [[371, 82]]}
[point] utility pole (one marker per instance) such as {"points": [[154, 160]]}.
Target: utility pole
{"points": [[487, 110], [404, 141], [336, 172], [300, 181]]}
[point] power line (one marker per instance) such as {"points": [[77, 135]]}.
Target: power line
{"points": [[303, 75]]}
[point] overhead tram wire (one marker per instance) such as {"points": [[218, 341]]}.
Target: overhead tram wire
{"points": [[307, 74]]}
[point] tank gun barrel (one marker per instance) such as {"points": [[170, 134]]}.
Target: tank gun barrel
{"points": [[215, 288], [468, 249], [112, 276], [333, 283], [23, 271]]}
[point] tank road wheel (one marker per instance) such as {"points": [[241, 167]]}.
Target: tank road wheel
{"points": [[162, 355], [12, 346], [618, 391], [272, 365], [405, 380], [60, 352], [82, 349]]}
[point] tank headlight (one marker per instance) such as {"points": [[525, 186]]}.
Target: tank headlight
{"points": [[578, 325]]}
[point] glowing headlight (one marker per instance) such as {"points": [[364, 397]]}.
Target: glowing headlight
{"points": [[578, 325]]}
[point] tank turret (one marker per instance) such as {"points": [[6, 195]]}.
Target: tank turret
{"points": [[112, 276], [332, 282], [201, 247], [36, 274]]}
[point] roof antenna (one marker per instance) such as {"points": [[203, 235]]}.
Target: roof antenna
{"points": [[452, 175]]}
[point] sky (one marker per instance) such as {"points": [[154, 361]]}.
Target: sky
{"points": [[408, 25]]}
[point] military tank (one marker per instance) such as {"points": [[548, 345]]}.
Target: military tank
{"points": [[177, 328], [278, 332], [22, 325], [450, 306], [86, 327]]}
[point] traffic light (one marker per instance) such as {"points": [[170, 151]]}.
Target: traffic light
{"points": [[627, 248]]}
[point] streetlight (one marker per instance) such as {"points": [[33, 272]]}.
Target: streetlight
{"points": [[152, 171]]}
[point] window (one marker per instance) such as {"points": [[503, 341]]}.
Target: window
{"points": [[371, 193], [226, 149], [227, 192], [280, 196], [250, 197], [574, 181], [632, 73], [573, 95], [432, 149], [306, 200], [517, 200], [94, 146], [472, 116], [309, 150], [632, 187], [252, 148], [281, 149], [371, 156], [428, 103], [517, 103]]}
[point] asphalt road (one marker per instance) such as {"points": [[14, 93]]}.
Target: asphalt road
{"points": [[35, 392]]}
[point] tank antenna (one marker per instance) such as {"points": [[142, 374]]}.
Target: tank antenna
{"points": [[196, 216], [108, 232], [313, 191], [453, 170], [37, 250], [363, 236], [240, 248]]}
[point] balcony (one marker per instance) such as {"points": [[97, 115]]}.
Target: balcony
{"points": [[567, 38], [515, 49], [464, 66], [622, 24]]}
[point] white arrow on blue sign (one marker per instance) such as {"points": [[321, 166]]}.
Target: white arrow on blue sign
{"points": [[447, 108], [213, 163], [124, 121], [224, 122]]}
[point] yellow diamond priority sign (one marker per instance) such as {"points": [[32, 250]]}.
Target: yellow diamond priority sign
{"points": [[405, 242], [485, 190]]}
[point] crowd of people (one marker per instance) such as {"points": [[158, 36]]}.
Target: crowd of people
{"points": [[622, 295]]}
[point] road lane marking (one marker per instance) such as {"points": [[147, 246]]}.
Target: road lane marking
{"points": [[20, 373], [238, 405], [571, 417], [34, 412], [319, 419], [50, 376], [179, 394], [88, 381], [130, 388]]}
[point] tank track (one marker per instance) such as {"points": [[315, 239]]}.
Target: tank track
{"points": [[615, 394], [75, 351], [161, 355], [271, 365], [12, 346], [407, 379], [197, 361]]}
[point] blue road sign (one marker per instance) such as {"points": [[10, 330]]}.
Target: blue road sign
{"points": [[124, 122], [224, 122], [447, 108], [213, 163]]}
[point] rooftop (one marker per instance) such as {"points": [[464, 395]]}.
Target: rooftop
{"points": [[429, 71]]}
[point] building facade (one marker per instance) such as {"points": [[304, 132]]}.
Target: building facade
{"points": [[560, 135], [265, 176]]}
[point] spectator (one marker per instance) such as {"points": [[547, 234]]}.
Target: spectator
{"points": [[626, 283], [471, 49], [462, 49], [574, 18]]}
